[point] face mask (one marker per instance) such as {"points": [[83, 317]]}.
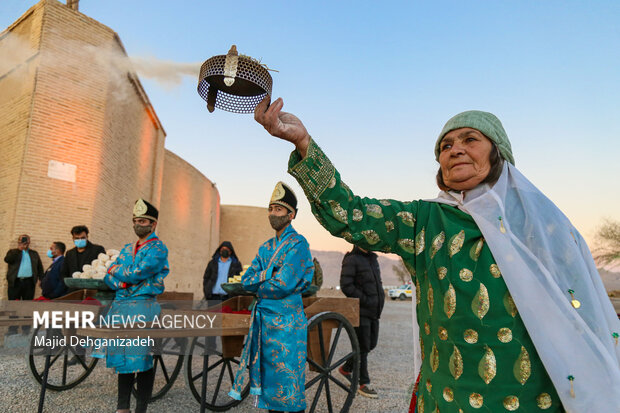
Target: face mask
{"points": [[80, 243], [225, 253], [142, 230], [277, 222], [49, 254]]}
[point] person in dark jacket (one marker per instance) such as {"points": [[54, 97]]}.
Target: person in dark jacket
{"points": [[52, 285], [361, 278], [25, 269], [223, 264], [83, 253]]}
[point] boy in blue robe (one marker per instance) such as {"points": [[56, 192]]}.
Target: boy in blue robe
{"points": [[275, 347], [137, 275]]}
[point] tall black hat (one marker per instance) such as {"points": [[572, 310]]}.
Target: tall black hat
{"points": [[284, 196], [144, 209]]}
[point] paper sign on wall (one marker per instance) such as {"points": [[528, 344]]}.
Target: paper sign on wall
{"points": [[62, 171]]}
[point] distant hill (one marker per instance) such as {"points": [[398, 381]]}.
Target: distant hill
{"points": [[331, 263]]}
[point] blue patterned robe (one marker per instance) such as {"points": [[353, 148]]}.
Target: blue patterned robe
{"points": [[275, 347], [144, 270]]}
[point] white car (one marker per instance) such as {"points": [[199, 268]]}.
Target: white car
{"points": [[403, 292]]}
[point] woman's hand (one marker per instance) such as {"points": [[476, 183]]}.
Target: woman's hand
{"points": [[281, 124]]}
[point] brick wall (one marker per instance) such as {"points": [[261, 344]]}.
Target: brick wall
{"points": [[246, 227]]}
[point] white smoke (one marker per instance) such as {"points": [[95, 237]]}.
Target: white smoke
{"points": [[166, 72]]}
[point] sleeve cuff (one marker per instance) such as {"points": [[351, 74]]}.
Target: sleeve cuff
{"points": [[315, 173]]}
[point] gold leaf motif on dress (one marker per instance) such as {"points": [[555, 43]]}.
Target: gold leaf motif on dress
{"points": [[409, 268], [434, 358], [387, 249], [487, 367], [476, 400], [429, 385], [466, 275], [421, 403], [419, 242], [374, 210], [522, 367], [456, 243], [371, 236], [448, 394], [471, 336], [332, 183], [449, 301], [417, 291], [456, 363], [480, 303], [427, 328], [509, 304], [511, 403], [357, 215], [504, 335], [339, 213], [443, 333], [385, 202], [442, 272], [495, 272], [421, 349], [407, 244], [389, 226], [543, 400], [431, 298], [407, 218], [476, 249], [437, 243], [347, 236]]}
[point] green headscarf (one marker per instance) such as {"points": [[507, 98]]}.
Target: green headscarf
{"points": [[485, 122]]}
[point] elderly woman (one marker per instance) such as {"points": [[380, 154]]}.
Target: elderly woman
{"points": [[512, 313]]}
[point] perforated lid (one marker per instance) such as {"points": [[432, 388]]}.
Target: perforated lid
{"points": [[233, 82]]}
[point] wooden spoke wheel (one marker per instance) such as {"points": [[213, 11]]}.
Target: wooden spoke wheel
{"points": [[221, 356], [69, 365], [332, 342], [168, 356]]}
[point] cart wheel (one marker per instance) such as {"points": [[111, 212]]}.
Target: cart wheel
{"points": [[62, 375], [329, 349], [168, 356], [221, 373]]}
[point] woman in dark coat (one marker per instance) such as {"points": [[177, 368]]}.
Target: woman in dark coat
{"points": [[213, 278]]}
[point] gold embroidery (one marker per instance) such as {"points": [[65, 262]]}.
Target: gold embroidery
{"points": [[389, 226], [429, 386], [443, 334], [456, 364], [409, 268], [421, 403], [385, 202], [504, 335], [487, 368], [466, 275], [471, 336], [421, 349], [511, 403], [427, 329], [476, 249], [509, 304], [371, 236], [417, 291], [449, 301], [495, 272], [522, 367], [434, 358], [456, 243], [480, 303], [543, 400], [347, 236], [387, 249], [339, 213], [442, 272], [332, 183], [419, 242], [431, 298], [437, 243], [476, 400], [448, 394], [374, 210], [407, 218], [407, 244], [357, 215]]}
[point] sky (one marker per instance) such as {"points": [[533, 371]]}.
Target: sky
{"points": [[374, 82]]}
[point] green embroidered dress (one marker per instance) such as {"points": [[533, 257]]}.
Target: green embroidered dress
{"points": [[476, 353]]}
